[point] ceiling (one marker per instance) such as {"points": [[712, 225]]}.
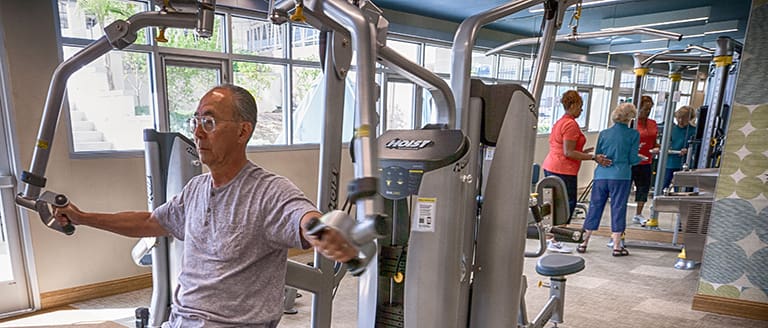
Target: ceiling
{"points": [[700, 21]]}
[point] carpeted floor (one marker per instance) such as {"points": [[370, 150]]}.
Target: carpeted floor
{"points": [[640, 290]]}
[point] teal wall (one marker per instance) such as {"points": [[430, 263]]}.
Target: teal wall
{"points": [[735, 263]]}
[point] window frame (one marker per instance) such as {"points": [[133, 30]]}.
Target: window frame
{"points": [[159, 53]]}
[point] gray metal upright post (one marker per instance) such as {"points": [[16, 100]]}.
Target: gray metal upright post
{"points": [[675, 75], [322, 279], [723, 60], [337, 59], [640, 72]]}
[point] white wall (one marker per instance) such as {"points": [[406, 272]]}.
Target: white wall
{"points": [[92, 256], [587, 167]]}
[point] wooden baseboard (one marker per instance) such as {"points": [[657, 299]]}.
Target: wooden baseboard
{"points": [[731, 306], [638, 234], [101, 289]]}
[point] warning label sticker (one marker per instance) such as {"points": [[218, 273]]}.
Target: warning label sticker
{"points": [[424, 214]]}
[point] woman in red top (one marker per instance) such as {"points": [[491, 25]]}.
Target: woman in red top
{"points": [[566, 147], [641, 173]]}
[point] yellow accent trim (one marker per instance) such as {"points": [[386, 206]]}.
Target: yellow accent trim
{"points": [[641, 71], [42, 144], [676, 77], [415, 171], [721, 61], [682, 254], [363, 131]]}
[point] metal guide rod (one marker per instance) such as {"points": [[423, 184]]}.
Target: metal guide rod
{"points": [[440, 90], [461, 52], [541, 62], [643, 63], [363, 36]]}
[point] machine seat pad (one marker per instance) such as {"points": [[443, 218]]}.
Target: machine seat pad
{"points": [[553, 265]]}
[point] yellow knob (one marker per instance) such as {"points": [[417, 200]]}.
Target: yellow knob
{"points": [[399, 277], [298, 15], [161, 35]]}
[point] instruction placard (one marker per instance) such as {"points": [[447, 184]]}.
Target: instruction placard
{"points": [[424, 214]]}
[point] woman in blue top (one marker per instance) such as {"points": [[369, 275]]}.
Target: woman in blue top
{"points": [[681, 134], [621, 144]]}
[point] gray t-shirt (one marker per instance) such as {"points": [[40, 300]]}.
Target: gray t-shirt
{"points": [[236, 240]]}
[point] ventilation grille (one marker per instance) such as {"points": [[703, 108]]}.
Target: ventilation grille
{"points": [[698, 217]]}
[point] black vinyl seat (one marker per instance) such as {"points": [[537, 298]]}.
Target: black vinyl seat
{"points": [[553, 265]]}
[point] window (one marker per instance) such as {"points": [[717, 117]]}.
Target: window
{"points": [[527, 66], [408, 50], [110, 102], [567, 73], [305, 44], [482, 65], [257, 37], [437, 59], [627, 80], [584, 75], [304, 97], [509, 68], [260, 58], [400, 105], [186, 83], [265, 82], [187, 39], [600, 78], [87, 19]]}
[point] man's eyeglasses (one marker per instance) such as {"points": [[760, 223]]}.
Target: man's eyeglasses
{"points": [[208, 123]]}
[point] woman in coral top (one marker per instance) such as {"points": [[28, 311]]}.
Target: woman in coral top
{"points": [[566, 147], [641, 173]]}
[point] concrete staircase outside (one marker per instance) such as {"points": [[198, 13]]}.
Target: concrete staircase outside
{"points": [[86, 136]]}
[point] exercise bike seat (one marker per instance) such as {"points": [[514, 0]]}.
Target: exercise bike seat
{"points": [[554, 265]]}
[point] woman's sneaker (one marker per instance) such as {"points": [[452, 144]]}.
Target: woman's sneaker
{"points": [[558, 247], [638, 219], [610, 243]]}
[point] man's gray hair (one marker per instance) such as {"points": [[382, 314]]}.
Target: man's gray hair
{"points": [[624, 113], [245, 104]]}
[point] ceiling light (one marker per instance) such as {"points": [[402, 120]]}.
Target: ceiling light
{"points": [[659, 18], [678, 21], [722, 31], [631, 51]]}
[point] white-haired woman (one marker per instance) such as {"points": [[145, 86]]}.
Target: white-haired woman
{"points": [[621, 144], [682, 133]]}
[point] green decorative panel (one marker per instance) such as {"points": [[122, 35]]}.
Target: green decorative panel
{"points": [[735, 263]]}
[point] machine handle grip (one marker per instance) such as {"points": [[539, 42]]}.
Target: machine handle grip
{"points": [[316, 228], [55, 200]]}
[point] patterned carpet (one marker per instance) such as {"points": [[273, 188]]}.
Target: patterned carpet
{"points": [[640, 290]]}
